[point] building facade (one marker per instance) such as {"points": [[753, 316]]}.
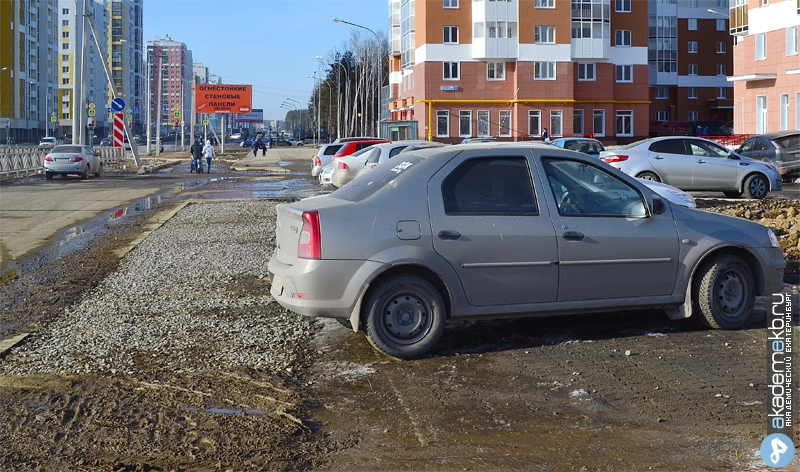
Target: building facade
{"points": [[690, 56], [83, 84], [171, 74], [125, 46], [28, 69], [510, 69], [766, 65]]}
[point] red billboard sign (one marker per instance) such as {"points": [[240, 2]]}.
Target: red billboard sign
{"points": [[223, 98]]}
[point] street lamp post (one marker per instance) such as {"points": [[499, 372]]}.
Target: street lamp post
{"points": [[339, 98], [377, 73], [8, 125]]}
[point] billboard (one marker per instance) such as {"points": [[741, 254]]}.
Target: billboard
{"points": [[223, 98], [255, 116]]}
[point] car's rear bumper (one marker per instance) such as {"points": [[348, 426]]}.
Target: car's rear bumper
{"points": [[324, 288], [69, 168]]}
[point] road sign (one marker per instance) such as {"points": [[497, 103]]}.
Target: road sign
{"points": [[176, 114], [91, 112], [53, 119], [91, 105], [118, 104], [118, 130], [205, 122], [177, 107], [129, 117]]}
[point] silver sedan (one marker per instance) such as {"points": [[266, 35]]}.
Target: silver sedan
{"points": [[72, 159], [509, 230], [690, 163]]}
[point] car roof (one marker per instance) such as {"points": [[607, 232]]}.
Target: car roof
{"points": [[777, 134]]}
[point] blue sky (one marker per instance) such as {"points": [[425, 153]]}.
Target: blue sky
{"points": [[269, 44]]}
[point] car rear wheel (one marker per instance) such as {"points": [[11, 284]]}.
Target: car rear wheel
{"points": [[649, 176], [756, 186], [732, 193], [405, 316], [99, 170], [724, 292], [85, 173], [48, 175]]}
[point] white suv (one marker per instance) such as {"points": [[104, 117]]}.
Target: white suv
{"points": [[48, 142]]}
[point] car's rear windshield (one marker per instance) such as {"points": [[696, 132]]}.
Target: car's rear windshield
{"points": [[791, 142], [331, 149], [66, 149], [371, 182]]}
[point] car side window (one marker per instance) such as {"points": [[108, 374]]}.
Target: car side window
{"points": [[490, 186], [760, 145], [581, 189], [669, 146], [747, 146], [706, 149], [395, 151]]}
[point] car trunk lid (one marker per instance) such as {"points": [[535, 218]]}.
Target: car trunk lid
{"points": [[289, 225]]}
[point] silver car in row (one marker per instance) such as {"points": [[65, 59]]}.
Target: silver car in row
{"points": [[510, 230], [690, 163]]}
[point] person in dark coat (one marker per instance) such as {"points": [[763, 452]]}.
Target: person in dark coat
{"points": [[197, 156]]}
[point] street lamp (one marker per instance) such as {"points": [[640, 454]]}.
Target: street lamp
{"points": [[377, 73]]}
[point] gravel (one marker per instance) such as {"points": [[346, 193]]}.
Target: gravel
{"points": [[191, 297]]}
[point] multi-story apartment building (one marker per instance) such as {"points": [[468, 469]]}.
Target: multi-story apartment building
{"points": [[511, 68], [766, 65], [689, 57], [83, 84], [126, 42], [28, 75], [170, 82]]}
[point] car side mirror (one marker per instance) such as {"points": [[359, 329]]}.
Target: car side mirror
{"points": [[733, 155], [659, 206]]}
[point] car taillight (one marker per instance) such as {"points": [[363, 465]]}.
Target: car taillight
{"points": [[75, 159], [317, 161], [343, 166], [310, 245], [614, 158], [48, 158]]}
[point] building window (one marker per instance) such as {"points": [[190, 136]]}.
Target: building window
{"points": [[501, 29], [483, 123], [625, 73], [623, 38], [496, 70], [65, 58], [535, 123], [625, 123], [722, 92], [544, 3], [721, 26], [64, 22], [65, 34], [442, 123], [586, 71], [693, 47], [692, 3], [693, 93], [505, 123], [556, 120], [694, 116], [451, 35], [64, 45], [451, 3], [692, 24], [65, 11], [784, 111], [577, 121], [721, 47], [465, 123], [662, 115], [693, 69], [761, 46], [65, 81], [761, 114], [544, 70], [721, 72], [65, 69], [544, 34], [662, 92], [599, 122], [451, 71], [477, 30], [622, 6], [791, 41]]}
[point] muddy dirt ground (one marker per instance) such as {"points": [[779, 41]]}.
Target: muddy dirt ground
{"points": [[616, 391]]}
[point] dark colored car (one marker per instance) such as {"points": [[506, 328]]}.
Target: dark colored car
{"points": [[106, 142], [510, 230], [781, 149]]}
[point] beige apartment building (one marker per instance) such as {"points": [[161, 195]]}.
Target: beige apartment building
{"points": [[766, 65], [510, 69]]}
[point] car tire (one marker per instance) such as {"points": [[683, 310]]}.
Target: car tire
{"points": [[732, 193], [99, 171], [48, 175], [724, 292], [648, 176], [756, 187], [404, 316], [85, 173]]}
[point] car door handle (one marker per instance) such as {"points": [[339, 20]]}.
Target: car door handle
{"points": [[659, 157], [573, 236], [449, 234], [701, 161]]}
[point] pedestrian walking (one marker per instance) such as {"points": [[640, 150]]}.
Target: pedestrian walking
{"points": [[208, 151], [545, 136], [197, 156], [256, 146]]}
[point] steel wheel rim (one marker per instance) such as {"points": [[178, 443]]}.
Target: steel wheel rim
{"points": [[648, 177], [758, 187], [406, 317], [731, 294]]}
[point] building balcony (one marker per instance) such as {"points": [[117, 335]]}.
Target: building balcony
{"points": [[590, 48], [495, 48], [739, 20]]}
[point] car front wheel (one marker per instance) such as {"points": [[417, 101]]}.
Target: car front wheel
{"points": [[649, 176], [724, 292], [756, 186], [405, 316]]}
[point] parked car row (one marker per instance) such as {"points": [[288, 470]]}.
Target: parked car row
{"points": [[464, 231]]}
